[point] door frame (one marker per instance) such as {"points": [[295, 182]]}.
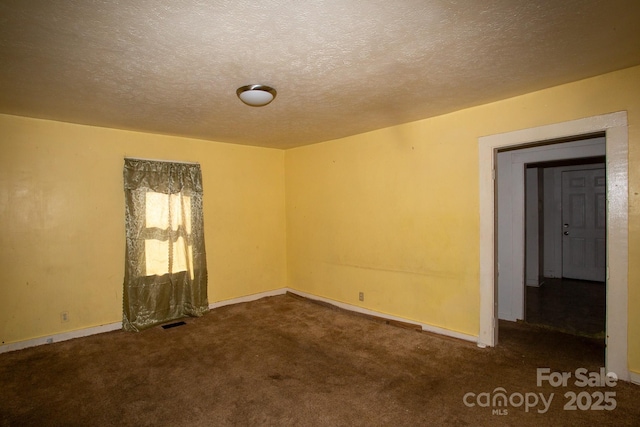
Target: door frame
{"points": [[614, 126]]}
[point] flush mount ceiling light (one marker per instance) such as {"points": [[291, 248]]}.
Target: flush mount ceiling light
{"points": [[256, 95]]}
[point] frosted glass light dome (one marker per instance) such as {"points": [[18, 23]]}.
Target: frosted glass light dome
{"points": [[256, 95]]}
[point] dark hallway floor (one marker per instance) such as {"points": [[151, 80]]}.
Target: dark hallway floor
{"points": [[576, 307]]}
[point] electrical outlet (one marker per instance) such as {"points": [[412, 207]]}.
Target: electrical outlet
{"points": [[64, 316], [361, 296]]}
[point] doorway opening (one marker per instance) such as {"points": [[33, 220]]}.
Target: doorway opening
{"points": [[615, 129], [565, 246]]}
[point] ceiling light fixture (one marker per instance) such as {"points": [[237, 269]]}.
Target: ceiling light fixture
{"points": [[256, 95]]}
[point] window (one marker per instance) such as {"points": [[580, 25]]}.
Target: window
{"points": [[170, 216], [165, 265]]}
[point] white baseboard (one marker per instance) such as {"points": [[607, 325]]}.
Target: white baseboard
{"points": [[248, 298], [634, 377], [345, 306], [424, 326], [60, 337], [64, 336]]}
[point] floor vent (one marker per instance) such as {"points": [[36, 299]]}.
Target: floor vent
{"points": [[173, 325]]}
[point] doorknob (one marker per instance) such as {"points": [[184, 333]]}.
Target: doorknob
{"points": [[566, 233], [565, 225]]}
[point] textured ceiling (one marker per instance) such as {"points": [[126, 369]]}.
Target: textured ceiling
{"points": [[340, 67]]}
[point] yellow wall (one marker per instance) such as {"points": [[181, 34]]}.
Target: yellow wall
{"points": [[62, 215], [394, 213]]}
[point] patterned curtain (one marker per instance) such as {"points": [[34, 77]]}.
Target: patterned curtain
{"points": [[165, 266]]}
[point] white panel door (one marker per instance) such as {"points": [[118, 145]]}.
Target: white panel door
{"points": [[584, 225]]}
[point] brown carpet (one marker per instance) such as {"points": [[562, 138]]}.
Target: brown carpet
{"points": [[288, 361]]}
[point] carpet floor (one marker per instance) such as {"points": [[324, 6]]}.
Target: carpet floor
{"points": [[284, 360]]}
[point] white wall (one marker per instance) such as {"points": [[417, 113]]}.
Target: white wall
{"points": [[511, 212], [531, 228]]}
